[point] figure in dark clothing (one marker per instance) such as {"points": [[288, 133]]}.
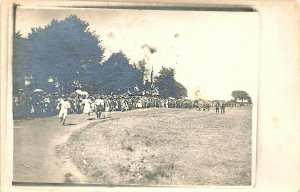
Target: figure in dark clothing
{"points": [[77, 107], [207, 106], [223, 108], [217, 107], [99, 106]]}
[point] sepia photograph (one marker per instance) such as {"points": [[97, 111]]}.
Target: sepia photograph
{"points": [[142, 97]]}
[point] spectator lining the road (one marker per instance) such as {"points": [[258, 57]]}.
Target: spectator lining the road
{"points": [[217, 107], [223, 108], [32, 105]]}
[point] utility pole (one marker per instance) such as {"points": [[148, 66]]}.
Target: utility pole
{"points": [[152, 77]]}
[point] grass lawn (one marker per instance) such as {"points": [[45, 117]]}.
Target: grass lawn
{"points": [[166, 147]]}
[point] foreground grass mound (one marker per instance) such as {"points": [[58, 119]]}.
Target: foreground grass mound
{"points": [[166, 147]]}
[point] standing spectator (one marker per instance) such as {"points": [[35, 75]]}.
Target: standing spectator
{"points": [[77, 104], [217, 105], [107, 107], [223, 108], [139, 104], [99, 106], [207, 106], [71, 105], [52, 106], [124, 105], [204, 106], [86, 102], [46, 107]]}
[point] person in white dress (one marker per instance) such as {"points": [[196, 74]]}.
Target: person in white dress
{"points": [[107, 108], [87, 105], [139, 104]]}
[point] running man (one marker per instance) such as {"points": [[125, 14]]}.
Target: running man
{"points": [[63, 112]]}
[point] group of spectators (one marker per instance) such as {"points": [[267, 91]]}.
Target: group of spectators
{"points": [[42, 104]]}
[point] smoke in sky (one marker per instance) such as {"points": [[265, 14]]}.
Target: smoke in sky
{"points": [[152, 50], [148, 50]]}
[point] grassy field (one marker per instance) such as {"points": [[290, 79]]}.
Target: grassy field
{"points": [[165, 147]]}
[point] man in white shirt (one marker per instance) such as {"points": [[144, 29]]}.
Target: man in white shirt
{"points": [[64, 105], [99, 106]]}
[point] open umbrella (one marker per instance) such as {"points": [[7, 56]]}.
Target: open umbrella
{"points": [[37, 91]]}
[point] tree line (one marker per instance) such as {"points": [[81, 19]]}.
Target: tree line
{"points": [[66, 55], [241, 97]]}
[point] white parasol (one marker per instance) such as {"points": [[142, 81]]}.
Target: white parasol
{"points": [[37, 91], [79, 92]]}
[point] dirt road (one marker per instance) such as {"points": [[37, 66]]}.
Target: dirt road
{"points": [[36, 142]]}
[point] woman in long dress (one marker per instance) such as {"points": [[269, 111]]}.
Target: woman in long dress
{"points": [[87, 106], [107, 108]]}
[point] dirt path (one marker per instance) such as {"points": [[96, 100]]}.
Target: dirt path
{"points": [[36, 150], [38, 143]]}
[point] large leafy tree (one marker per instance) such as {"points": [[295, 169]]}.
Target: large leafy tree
{"points": [[119, 76], [168, 86], [18, 68], [64, 51], [241, 95]]}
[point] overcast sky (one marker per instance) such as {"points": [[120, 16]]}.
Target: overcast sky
{"points": [[216, 52]]}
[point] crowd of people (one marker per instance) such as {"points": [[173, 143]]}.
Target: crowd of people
{"points": [[43, 104]]}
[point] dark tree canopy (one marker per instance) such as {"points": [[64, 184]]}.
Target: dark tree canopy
{"points": [[19, 70], [241, 95], [167, 85], [119, 75], [63, 51], [65, 55]]}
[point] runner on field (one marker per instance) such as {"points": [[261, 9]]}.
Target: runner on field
{"points": [[63, 112]]}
